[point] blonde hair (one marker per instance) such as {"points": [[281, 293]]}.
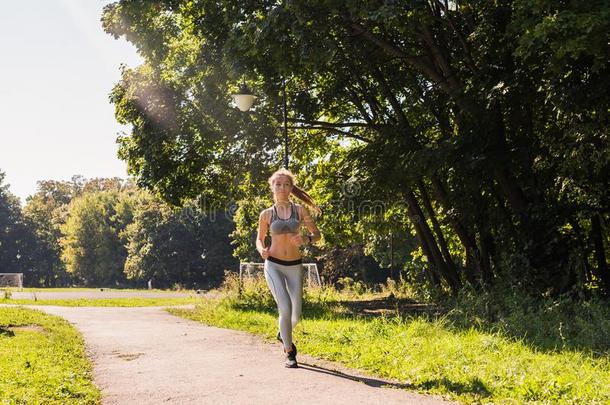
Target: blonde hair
{"points": [[296, 190]]}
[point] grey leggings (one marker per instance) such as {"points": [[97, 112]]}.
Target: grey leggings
{"points": [[286, 285]]}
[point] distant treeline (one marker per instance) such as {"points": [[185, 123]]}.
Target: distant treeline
{"points": [[108, 232]]}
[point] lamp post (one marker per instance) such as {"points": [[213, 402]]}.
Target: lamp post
{"points": [[244, 100]]}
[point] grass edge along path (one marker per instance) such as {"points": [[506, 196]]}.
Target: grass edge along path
{"points": [[431, 356], [106, 302], [43, 360]]}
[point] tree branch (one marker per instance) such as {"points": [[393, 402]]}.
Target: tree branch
{"points": [[460, 35], [332, 124], [335, 130], [418, 62]]}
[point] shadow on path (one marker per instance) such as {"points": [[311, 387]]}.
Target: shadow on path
{"points": [[474, 386], [371, 382]]}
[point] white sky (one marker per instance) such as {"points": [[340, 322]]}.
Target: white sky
{"points": [[57, 67]]}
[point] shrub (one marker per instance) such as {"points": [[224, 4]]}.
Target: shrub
{"points": [[252, 294]]}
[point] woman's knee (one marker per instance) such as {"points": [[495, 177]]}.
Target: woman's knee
{"points": [[296, 315], [285, 310]]}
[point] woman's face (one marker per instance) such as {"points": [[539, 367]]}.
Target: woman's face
{"points": [[281, 186]]}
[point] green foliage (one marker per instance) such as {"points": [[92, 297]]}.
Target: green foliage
{"points": [[187, 246], [495, 112], [246, 226], [109, 232], [43, 360], [16, 238], [92, 249], [553, 34], [253, 293], [44, 214], [354, 287], [552, 324]]}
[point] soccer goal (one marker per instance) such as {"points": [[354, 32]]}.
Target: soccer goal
{"points": [[11, 280], [311, 275]]}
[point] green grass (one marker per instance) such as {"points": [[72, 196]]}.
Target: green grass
{"points": [[431, 354], [107, 302], [42, 360], [6, 297]]}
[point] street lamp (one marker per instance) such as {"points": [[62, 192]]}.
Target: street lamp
{"points": [[244, 100]]}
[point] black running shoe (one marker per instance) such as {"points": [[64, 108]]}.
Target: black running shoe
{"points": [[294, 348], [279, 337], [291, 359]]}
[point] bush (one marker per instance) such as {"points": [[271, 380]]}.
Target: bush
{"points": [[252, 294], [7, 294], [549, 323], [349, 286]]}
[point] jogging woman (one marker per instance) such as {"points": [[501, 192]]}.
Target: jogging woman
{"points": [[283, 265]]}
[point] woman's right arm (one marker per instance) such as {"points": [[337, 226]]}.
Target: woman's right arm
{"points": [[263, 227]]}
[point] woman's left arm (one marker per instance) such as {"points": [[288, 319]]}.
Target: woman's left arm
{"points": [[308, 222]]}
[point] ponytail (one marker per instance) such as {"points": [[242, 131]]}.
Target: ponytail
{"points": [[306, 198]]}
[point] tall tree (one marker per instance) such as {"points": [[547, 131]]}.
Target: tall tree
{"points": [[91, 246], [16, 240], [468, 98]]}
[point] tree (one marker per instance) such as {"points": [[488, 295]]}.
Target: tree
{"points": [[44, 214], [172, 246], [16, 240], [91, 247], [457, 111]]}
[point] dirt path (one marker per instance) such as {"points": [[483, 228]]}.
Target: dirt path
{"points": [[147, 356]]}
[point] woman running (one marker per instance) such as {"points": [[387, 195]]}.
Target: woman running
{"points": [[283, 264]]}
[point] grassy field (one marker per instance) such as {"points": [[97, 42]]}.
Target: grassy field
{"points": [[463, 361], [42, 360]]}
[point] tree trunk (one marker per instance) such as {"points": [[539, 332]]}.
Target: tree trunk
{"points": [[418, 219], [433, 275], [473, 256], [600, 255], [511, 190], [486, 244], [392, 276], [436, 226]]}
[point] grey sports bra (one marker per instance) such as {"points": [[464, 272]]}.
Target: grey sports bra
{"points": [[281, 226]]}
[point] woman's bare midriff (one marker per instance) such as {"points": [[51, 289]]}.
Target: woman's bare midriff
{"points": [[281, 247]]}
